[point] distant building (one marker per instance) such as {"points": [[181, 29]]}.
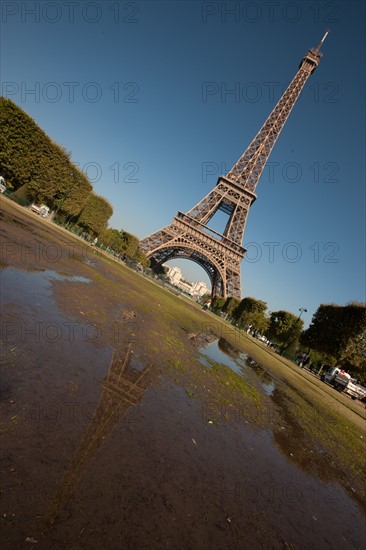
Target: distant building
{"points": [[199, 289], [184, 285], [174, 274], [194, 289]]}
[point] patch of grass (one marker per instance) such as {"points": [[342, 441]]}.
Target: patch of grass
{"points": [[7, 219], [177, 364], [173, 343], [233, 381], [343, 440]]}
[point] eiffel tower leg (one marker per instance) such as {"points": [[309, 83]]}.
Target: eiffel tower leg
{"points": [[233, 286], [218, 288]]}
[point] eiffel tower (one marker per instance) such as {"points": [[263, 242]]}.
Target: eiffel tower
{"points": [[121, 390], [189, 236]]}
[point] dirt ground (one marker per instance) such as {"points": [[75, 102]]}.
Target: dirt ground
{"points": [[121, 426]]}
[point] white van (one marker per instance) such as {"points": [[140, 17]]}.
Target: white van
{"points": [[330, 374]]}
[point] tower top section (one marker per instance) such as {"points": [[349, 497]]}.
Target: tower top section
{"points": [[248, 169], [311, 60]]}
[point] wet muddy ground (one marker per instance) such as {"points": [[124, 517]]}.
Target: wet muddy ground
{"points": [[127, 423]]}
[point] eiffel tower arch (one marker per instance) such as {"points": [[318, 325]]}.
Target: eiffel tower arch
{"points": [[189, 235]]}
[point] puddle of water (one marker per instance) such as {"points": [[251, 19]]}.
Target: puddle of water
{"points": [[287, 432], [90, 262], [32, 290], [268, 388], [54, 276], [213, 351], [137, 365], [222, 352]]}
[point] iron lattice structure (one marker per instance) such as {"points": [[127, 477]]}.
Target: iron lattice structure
{"points": [[188, 236]]}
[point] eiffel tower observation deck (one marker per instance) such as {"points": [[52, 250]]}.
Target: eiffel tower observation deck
{"points": [[189, 235]]}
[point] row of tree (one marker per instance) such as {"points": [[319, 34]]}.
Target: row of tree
{"points": [[337, 334], [123, 244], [282, 327], [37, 169]]}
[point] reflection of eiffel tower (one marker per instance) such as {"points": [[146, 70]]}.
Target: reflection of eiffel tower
{"points": [[121, 390]]}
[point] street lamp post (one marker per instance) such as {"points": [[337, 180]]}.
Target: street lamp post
{"points": [[288, 343], [302, 310]]}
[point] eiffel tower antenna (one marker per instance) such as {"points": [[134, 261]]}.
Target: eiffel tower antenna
{"points": [[322, 41], [190, 237]]}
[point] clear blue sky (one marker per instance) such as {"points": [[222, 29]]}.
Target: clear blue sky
{"points": [[124, 87]]}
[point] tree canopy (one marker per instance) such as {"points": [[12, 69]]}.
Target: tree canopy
{"points": [[123, 243], [252, 312], [284, 328], [95, 214], [230, 306], [218, 302]]}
